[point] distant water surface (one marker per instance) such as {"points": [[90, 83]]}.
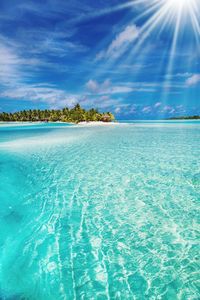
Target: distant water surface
{"points": [[100, 212]]}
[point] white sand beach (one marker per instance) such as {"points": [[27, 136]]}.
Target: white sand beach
{"points": [[97, 123]]}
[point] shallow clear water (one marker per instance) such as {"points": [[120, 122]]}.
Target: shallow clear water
{"points": [[106, 212]]}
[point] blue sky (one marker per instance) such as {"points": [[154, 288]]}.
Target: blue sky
{"points": [[139, 59]]}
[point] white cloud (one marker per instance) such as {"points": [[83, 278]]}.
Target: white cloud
{"points": [[19, 61], [186, 74], [172, 111], [37, 93], [57, 98], [100, 101], [98, 88], [127, 36], [180, 107], [133, 109], [117, 110], [92, 85], [193, 80], [9, 62], [168, 109], [106, 88], [147, 109], [157, 104], [15, 67], [126, 109], [121, 41], [120, 89]]}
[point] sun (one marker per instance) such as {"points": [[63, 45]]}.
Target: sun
{"points": [[185, 5], [184, 12], [179, 3]]}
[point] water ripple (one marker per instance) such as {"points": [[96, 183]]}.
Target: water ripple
{"points": [[101, 213]]}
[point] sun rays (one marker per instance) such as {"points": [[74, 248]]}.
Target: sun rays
{"points": [[173, 15], [171, 20]]}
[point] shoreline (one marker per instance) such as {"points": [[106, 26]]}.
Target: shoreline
{"points": [[96, 123], [83, 123]]}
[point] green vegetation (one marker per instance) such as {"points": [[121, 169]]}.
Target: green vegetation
{"points": [[74, 115], [186, 118]]}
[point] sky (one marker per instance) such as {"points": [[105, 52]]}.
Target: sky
{"points": [[138, 59]]}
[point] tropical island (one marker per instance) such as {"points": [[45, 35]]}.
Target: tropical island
{"points": [[185, 118], [76, 114]]}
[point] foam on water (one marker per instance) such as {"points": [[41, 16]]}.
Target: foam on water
{"points": [[107, 212]]}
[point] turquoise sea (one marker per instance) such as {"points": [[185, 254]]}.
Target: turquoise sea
{"points": [[100, 212]]}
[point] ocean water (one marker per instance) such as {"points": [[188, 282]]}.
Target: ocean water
{"points": [[102, 212]]}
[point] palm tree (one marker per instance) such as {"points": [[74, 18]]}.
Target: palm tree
{"points": [[76, 115]]}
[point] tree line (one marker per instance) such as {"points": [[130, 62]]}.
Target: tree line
{"points": [[186, 118], [75, 115]]}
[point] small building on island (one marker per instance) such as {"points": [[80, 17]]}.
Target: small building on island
{"points": [[106, 118]]}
